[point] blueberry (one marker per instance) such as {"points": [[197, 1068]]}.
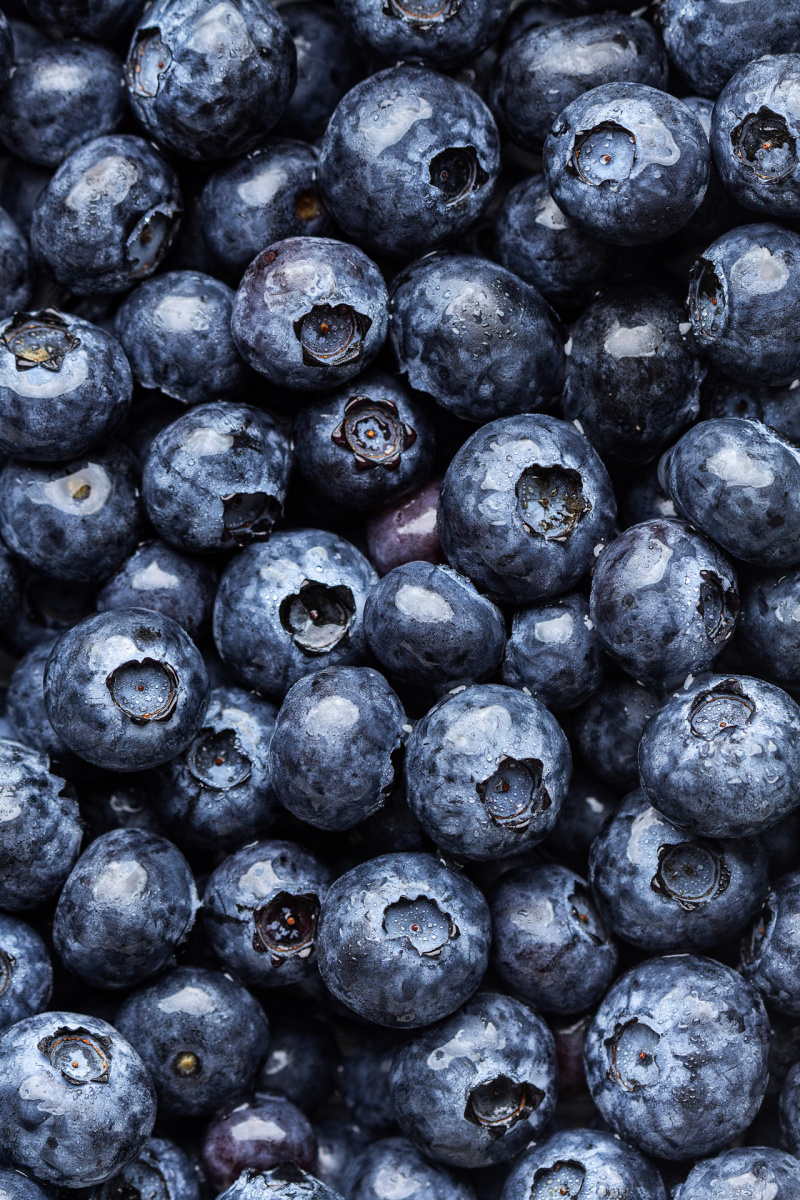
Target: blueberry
{"points": [[111, 801], [790, 1111], [403, 939], [328, 65], [262, 907], [770, 958], [175, 330], [721, 1178], [107, 217], [289, 608], [768, 633], [442, 35], [395, 1164], [525, 501], [405, 532], [259, 1134], [25, 707], [661, 888], [302, 1060], [210, 82], [201, 1035], [26, 975], [217, 477], [11, 599], [15, 285], [583, 1162], [40, 832], [664, 601], [554, 652], [16, 1186], [774, 406], [563, 961], [409, 160], [47, 607], [286, 1182], [365, 1083], [20, 188], [667, 1032], [159, 577], [160, 1171], [588, 804], [479, 340], [75, 18], [310, 313], [126, 689], [76, 1100], [645, 499], [339, 1147], [722, 757], [487, 770], [6, 50], [627, 163]]}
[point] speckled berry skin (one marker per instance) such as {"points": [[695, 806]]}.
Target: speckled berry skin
{"points": [[743, 1174], [482, 518], [16, 1186], [26, 711], [697, 1022], [158, 576], [662, 889], [25, 970], [286, 1182], [442, 38], [160, 1163], [442, 1083], [396, 1159], [554, 652], [92, 672], [381, 973], [72, 1122], [768, 633], [384, 151], [722, 757], [246, 902], [590, 1163], [770, 958]]}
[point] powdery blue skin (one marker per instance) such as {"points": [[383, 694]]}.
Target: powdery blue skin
{"points": [[160, 577], [98, 666], [744, 300], [441, 36], [394, 1162], [269, 652], [336, 750], [789, 1108], [267, 196], [41, 831], [26, 711], [380, 973], [774, 406], [128, 904], [633, 374], [768, 633], [60, 98], [539, 73], [659, 166], [428, 626], [16, 1186], [176, 332], [76, 1101], [479, 340], [27, 976], [328, 65], [220, 805], [482, 519], [246, 904], [204, 1014], [770, 954], [554, 652], [697, 1023], [564, 959], [457, 772], [722, 757], [587, 806], [339, 1147], [745, 1174], [15, 290], [586, 1162], [160, 1171], [286, 1182], [66, 406], [661, 888], [378, 160], [124, 212], [310, 313], [664, 602], [210, 83], [738, 481], [216, 478], [365, 1082], [303, 1059]]}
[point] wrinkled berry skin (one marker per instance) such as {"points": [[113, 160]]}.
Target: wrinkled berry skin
{"points": [[176, 332], [128, 904], [789, 1107], [405, 532], [216, 478], [16, 1186], [770, 956], [15, 264], [261, 907], [126, 689], [440, 36], [663, 889], [286, 1182], [479, 340], [26, 711], [768, 634], [201, 1035], [722, 757], [65, 405], [664, 602], [486, 771], [261, 634], [366, 954], [160, 1164], [743, 1173], [260, 1134], [696, 1022], [218, 805], [157, 576], [107, 217], [738, 481], [72, 1122], [539, 73], [744, 302], [25, 972], [397, 147], [328, 65], [492, 523], [310, 313], [564, 963], [210, 83], [41, 830], [443, 1099], [554, 652], [395, 1158], [589, 1160]]}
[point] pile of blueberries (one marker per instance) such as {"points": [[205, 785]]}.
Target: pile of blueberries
{"points": [[400, 600]]}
